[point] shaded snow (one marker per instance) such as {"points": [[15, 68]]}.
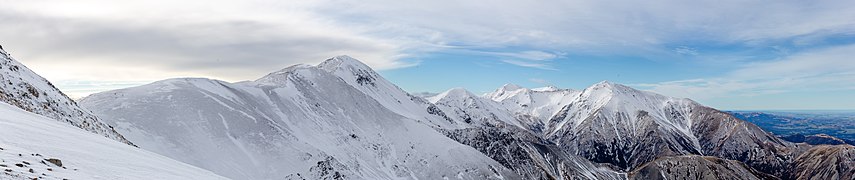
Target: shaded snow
{"points": [[83, 155]]}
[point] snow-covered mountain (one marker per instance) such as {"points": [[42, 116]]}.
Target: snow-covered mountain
{"points": [[491, 129], [337, 120], [618, 126], [470, 110], [45, 135], [342, 120], [23, 88], [533, 107], [632, 130], [37, 147]]}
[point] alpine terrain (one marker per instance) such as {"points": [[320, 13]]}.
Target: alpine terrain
{"points": [[21, 87], [342, 120], [45, 135]]}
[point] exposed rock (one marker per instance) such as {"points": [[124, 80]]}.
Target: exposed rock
{"points": [[825, 162], [53, 161], [528, 155], [696, 167], [725, 136], [21, 87], [624, 127]]}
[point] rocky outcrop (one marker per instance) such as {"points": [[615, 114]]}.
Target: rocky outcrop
{"points": [[617, 125], [696, 167], [23, 88], [725, 136], [825, 162], [528, 155]]}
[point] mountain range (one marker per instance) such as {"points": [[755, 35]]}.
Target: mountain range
{"points": [[342, 120], [812, 127]]}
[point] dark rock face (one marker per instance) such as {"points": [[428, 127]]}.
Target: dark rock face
{"points": [[825, 162], [328, 169], [696, 167], [619, 144], [528, 155], [364, 77], [725, 136], [626, 128], [56, 162]]}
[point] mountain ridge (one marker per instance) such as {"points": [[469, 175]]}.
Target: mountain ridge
{"points": [[300, 122], [23, 88], [603, 131]]}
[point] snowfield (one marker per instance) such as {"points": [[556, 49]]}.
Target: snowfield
{"points": [[27, 140], [336, 120]]}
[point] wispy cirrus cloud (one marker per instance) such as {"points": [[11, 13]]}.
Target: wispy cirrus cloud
{"points": [[816, 71], [530, 64], [683, 50]]}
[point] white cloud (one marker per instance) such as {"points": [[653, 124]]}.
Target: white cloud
{"points": [[151, 40], [137, 40], [599, 25], [686, 51], [528, 55], [530, 64], [830, 69]]}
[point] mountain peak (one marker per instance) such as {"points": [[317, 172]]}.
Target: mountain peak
{"points": [[611, 87], [453, 93], [510, 87], [605, 83], [342, 61]]}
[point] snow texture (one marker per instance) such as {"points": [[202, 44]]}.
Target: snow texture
{"points": [[342, 120], [337, 120], [23, 88], [34, 146]]}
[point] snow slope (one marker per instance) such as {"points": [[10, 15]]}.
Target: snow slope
{"points": [[532, 107], [313, 122], [27, 140], [392, 97], [492, 129], [342, 120], [470, 110], [21, 87]]}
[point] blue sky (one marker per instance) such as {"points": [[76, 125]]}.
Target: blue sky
{"points": [[729, 54]]}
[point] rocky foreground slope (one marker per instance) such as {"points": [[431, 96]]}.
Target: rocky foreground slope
{"points": [[45, 135], [37, 147], [23, 88]]}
